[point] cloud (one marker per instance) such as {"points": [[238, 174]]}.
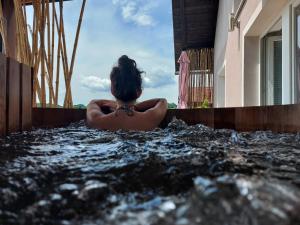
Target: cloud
{"points": [[104, 38], [137, 11], [94, 83], [155, 79], [158, 79]]}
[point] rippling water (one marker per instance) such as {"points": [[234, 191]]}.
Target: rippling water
{"points": [[178, 175]]}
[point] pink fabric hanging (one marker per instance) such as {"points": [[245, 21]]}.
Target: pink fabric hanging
{"points": [[184, 71]]}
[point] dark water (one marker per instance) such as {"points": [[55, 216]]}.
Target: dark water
{"points": [[178, 176]]}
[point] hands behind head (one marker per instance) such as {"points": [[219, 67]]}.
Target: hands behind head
{"points": [[109, 106]]}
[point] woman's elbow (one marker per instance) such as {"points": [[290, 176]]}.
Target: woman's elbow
{"points": [[164, 103], [93, 120]]}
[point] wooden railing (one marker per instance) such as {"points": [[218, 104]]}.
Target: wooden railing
{"points": [[15, 96]]}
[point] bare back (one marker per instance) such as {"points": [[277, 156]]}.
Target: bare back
{"points": [[140, 121]]}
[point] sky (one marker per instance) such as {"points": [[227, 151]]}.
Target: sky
{"points": [[141, 29]]}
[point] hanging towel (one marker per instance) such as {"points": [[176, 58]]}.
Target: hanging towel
{"points": [[184, 72]]}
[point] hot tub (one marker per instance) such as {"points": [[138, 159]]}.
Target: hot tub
{"points": [[177, 175]]}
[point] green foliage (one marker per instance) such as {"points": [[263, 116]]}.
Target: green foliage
{"points": [[39, 105], [79, 106], [205, 104], [172, 106]]}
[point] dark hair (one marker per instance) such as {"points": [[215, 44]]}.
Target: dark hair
{"points": [[126, 80]]}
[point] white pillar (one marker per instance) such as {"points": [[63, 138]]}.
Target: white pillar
{"points": [[287, 55]]}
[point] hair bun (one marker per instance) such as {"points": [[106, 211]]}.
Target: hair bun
{"points": [[126, 80], [125, 63]]}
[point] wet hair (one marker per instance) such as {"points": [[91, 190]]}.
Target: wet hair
{"points": [[126, 80]]}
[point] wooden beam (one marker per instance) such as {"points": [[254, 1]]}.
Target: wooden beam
{"points": [[183, 24], [29, 2], [3, 81], [26, 97], [13, 76], [11, 26]]}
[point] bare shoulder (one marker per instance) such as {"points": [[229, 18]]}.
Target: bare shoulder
{"points": [[157, 113], [96, 118]]}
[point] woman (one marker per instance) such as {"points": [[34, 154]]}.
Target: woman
{"points": [[125, 113]]}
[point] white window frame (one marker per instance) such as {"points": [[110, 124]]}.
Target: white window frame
{"points": [[270, 69], [293, 34]]}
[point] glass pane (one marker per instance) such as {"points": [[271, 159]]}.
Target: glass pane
{"points": [[297, 74], [277, 72]]}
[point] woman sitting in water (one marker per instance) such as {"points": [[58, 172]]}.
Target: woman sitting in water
{"points": [[125, 113]]}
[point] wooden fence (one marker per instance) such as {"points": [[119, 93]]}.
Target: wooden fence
{"points": [[15, 96], [200, 85]]}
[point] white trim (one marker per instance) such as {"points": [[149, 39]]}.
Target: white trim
{"points": [[259, 71], [225, 87], [270, 69], [293, 37], [243, 69], [294, 5], [221, 69], [251, 21], [253, 18], [276, 20], [286, 55]]}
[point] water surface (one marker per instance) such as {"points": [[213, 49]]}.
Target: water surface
{"points": [[178, 175]]}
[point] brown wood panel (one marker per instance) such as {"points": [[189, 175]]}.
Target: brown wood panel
{"points": [[190, 116], [13, 76], [250, 118], [224, 118], [10, 22], [2, 95], [52, 117], [283, 119], [292, 118], [26, 97], [275, 118]]}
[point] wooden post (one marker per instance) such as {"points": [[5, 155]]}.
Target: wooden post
{"points": [[10, 18], [13, 76], [26, 97], [3, 82]]}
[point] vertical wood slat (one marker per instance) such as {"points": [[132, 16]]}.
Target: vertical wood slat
{"points": [[15, 96], [13, 76], [10, 18], [3, 81], [26, 97]]}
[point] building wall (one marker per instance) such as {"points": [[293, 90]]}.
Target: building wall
{"points": [[251, 71], [239, 61], [221, 39], [234, 58]]}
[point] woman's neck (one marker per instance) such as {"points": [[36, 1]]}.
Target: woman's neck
{"points": [[121, 103]]}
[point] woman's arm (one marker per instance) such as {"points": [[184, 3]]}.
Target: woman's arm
{"points": [[97, 109], [146, 105], [157, 113]]}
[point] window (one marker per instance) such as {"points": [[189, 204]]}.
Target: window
{"points": [[297, 54], [272, 66]]}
